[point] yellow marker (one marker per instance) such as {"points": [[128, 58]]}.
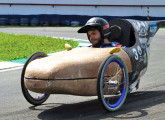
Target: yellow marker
{"points": [[114, 50], [68, 47]]}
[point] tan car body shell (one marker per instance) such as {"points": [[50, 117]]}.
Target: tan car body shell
{"points": [[69, 72]]}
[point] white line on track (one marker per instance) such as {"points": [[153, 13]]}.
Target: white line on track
{"points": [[10, 69], [6, 66]]}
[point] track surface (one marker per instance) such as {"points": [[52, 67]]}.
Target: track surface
{"points": [[148, 102]]}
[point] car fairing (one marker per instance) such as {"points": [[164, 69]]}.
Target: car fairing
{"points": [[69, 72]]}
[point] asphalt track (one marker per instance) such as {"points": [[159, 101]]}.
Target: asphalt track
{"points": [[148, 102]]}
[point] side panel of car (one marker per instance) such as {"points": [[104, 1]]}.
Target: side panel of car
{"points": [[139, 52]]}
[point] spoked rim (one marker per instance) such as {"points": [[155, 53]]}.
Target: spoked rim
{"points": [[112, 89], [114, 85]]}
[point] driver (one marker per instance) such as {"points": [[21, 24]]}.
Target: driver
{"points": [[98, 32]]}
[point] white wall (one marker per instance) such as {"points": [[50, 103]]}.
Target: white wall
{"points": [[112, 2], [83, 10], [70, 10]]}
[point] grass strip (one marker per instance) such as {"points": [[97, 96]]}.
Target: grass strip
{"points": [[14, 46]]}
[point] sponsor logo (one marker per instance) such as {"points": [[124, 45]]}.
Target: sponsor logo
{"points": [[153, 29]]}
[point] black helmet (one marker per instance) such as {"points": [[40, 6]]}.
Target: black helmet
{"points": [[97, 22]]}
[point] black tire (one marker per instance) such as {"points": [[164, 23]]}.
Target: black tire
{"points": [[25, 91], [112, 89]]}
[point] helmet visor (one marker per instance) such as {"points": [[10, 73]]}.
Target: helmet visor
{"points": [[85, 28]]}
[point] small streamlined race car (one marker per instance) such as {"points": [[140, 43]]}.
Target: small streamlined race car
{"points": [[109, 73]]}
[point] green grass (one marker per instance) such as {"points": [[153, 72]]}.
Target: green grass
{"points": [[22, 46]]}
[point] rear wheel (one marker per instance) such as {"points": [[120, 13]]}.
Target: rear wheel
{"points": [[33, 97], [112, 83]]}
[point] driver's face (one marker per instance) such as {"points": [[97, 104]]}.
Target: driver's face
{"points": [[94, 36]]}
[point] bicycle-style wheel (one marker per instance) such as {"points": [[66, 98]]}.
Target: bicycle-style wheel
{"points": [[112, 83], [33, 97]]}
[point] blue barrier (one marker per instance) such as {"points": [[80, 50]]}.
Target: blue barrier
{"points": [[60, 20]]}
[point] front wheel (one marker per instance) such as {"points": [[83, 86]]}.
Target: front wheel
{"points": [[112, 83], [33, 97]]}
